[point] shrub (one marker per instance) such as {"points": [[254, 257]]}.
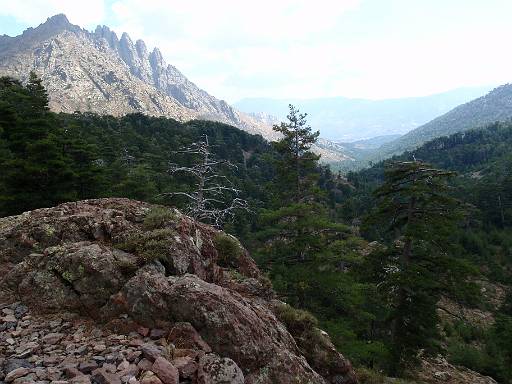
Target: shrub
{"points": [[297, 321], [470, 357], [368, 376], [151, 245], [158, 217], [228, 248]]}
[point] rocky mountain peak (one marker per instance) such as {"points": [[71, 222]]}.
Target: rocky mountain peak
{"points": [[156, 59], [59, 20], [99, 72], [51, 27], [109, 35], [142, 50]]}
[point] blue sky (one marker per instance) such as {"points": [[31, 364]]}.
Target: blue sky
{"points": [[302, 48]]}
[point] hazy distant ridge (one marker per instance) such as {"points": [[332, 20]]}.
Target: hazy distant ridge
{"points": [[345, 119]]}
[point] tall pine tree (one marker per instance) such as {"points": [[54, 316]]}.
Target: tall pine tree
{"points": [[416, 217]]}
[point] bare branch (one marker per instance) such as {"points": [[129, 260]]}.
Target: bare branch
{"points": [[214, 199]]}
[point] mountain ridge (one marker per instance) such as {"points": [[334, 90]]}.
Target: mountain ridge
{"points": [[344, 119], [492, 107], [98, 72]]}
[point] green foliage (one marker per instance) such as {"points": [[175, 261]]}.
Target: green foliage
{"points": [[297, 164], [369, 376], [297, 321], [416, 217], [158, 218], [228, 248], [47, 158], [150, 245], [296, 229]]}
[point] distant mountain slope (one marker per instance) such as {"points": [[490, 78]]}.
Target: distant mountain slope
{"points": [[344, 119], [495, 106], [96, 71]]}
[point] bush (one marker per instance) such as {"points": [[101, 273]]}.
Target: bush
{"points": [[158, 217], [368, 376], [297, 321], [151, 245], [469, 357], [228, 248]]}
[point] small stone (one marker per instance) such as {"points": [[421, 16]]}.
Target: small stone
{"points": [[150, 378], [110, 358], [87, 366], [186, 366], [214, 369], [135, 343], [143, 331], [54, 374], [71, 372], [10, 341], [99, 347], [145, 364], [82, 350], [53, 338], [165, 371], [55, 323], [24, 354], [151, 352], [29, 379], [83, 379], [16, 373], [110, 368], [123, 365], [99, 359], [156, 334], [101, 376], [50, 360], [20, 311], [9, 319]]}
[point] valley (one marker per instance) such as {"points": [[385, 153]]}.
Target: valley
{"points": [[151, 233]]}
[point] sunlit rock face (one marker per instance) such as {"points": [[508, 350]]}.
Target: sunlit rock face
{"points": [[102, 73]]}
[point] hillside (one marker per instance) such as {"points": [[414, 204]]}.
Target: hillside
{"points": [[495, 106], [474, 335], [152, 276], [343, 119], [98, 72], [179, 299], [481, 157]]}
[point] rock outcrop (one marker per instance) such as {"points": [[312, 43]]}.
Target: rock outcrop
{"points": [[98, 72], [181, 298], [438, 370]]}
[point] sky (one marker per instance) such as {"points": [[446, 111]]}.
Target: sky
{"points": [[373, 49]]}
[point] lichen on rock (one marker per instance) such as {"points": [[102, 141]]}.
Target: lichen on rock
{"points": [[114, 259]]}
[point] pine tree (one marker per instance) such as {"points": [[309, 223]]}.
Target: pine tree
{"points": [[416, 217], [297, 167], [38, 172]]}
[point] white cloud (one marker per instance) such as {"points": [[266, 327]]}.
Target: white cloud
{"points": [[214, 42], [84, 13], [304, 48]]}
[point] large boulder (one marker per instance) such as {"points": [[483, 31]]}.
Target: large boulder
{"points": [[110, 258]]}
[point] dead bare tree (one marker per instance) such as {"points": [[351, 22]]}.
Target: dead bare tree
{"points": [[214, 199]]}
